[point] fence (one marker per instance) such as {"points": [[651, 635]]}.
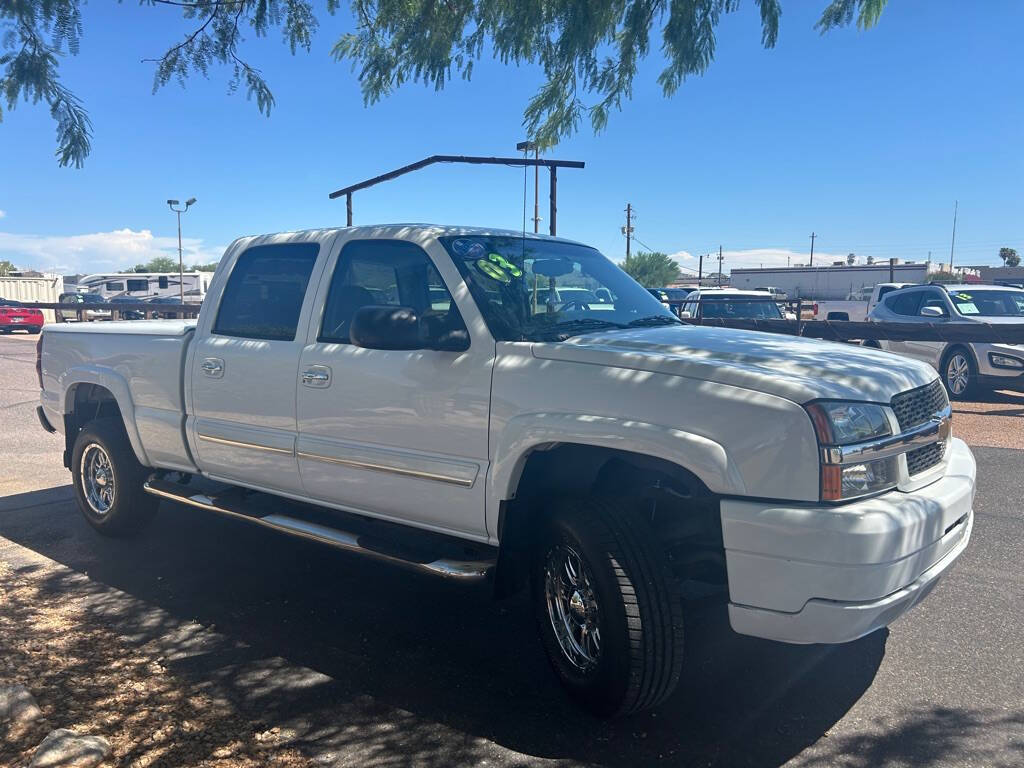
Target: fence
{"points": [[121, 310], [847, 330], [829, 330]]}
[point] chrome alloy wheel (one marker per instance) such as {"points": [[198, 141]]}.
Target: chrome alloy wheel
{"points": [[572, 607], [958, 371], [97, 479]]}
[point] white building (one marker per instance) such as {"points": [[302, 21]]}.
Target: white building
{"points": [[837, 281]]}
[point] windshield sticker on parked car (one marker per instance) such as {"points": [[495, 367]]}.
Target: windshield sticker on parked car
{"points": [[968, 308]]}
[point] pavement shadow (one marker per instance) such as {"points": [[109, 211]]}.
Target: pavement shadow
{"points": [[411, 670]]}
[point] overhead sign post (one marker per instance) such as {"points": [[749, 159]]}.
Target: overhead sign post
{"points": [[534, 162]]}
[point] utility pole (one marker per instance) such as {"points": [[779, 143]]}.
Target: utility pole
{"points": [[628, 229], [719, 266], [812, 249], [700, 270], [892, 263], [181, 264], [952, 243]]}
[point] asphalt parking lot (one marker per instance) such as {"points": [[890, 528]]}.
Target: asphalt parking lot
{"points": [[207, 641]]}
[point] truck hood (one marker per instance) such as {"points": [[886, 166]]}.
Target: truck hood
{"points": [[792, 367]]}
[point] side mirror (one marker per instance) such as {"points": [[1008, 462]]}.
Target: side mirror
{"points": [[685, 314], [932, 312], [386, 327]]}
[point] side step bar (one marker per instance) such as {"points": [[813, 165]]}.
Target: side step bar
{"points": [[460, 570]]}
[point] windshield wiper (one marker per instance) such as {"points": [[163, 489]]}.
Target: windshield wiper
{"points": [[569, 328], [652, 320]]}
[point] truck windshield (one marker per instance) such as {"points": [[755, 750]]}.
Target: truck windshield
{"points": [[989, 303], [541, 290]]}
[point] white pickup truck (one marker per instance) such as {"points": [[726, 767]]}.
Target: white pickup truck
{"points": [[857, 305], [429, 397]]}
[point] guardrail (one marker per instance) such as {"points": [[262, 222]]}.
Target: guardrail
{"points": [[116, 309]]}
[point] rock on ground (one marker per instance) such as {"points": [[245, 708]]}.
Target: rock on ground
{"points": [[66, 749], [17, 705]]}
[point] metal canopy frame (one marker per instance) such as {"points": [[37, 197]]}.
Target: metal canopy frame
{"points": [[551, 165]]}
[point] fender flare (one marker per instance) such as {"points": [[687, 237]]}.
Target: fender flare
{"points": [[525, 433], [117, 385]]}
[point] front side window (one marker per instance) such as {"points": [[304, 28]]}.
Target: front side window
{"points": [[390, 273], [989, 303], [543, 290], [263, 297], [162, 281], [904, 303], [138, 285]]}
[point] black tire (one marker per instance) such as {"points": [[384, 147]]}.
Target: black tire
{"points": [[129, 507], [33, 330], [952, 369], [639, 611]]}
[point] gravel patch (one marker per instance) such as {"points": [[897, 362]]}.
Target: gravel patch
{"points": [[88, 679]]}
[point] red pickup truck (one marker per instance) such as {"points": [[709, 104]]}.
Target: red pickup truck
{"points": [[13, 317]]}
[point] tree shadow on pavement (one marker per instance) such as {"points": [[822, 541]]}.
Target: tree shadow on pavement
{"points": [[352, 660]]}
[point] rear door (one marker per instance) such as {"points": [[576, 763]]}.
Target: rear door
{"points": [[244, 362], [396, 433]]}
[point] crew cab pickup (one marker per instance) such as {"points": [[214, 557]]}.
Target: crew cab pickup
{"points": [[430, 396], [857, 305]]}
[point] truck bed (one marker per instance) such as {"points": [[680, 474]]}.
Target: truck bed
{"points": [[141, 362]]}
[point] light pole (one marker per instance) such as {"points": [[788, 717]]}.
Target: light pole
{"points": [[181, 264]]}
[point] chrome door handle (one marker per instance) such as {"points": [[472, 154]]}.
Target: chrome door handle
{"points": [[212, 367], [317, 376]]}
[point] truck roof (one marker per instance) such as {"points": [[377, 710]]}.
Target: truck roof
{"points": [[438, 230]]}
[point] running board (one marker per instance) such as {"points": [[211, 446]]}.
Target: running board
{"points": [[460, 570]]}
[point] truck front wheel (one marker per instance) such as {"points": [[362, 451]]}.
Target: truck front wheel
{"points": [[108, 480], [607, 607]]}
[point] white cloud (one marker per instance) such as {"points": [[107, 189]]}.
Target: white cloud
{"points": [[98, 251], [2, 213], [753, 257]]}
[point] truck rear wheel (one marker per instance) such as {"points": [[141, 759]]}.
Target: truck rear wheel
{"points": [[108, 480], [607, 607]]}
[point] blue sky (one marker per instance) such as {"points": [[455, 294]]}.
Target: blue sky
{"points": [[866, 138]]}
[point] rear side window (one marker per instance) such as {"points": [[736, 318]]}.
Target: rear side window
{"points": [[263, 297], [389, 272], [904, 304]]}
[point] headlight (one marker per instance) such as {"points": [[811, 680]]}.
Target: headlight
{"points": [[840, 423], [1005, 361]]}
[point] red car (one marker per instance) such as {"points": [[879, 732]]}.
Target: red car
{"points": [[13, 318]]}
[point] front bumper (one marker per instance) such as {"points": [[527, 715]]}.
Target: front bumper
{"points": [[832, 574]]}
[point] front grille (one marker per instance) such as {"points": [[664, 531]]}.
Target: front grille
{"points": [[921, 459], [916, 406]]}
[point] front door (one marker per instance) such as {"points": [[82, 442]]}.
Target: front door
{"points": [[244, 367], [395, 433]]}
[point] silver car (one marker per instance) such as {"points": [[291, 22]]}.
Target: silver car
{"points": [[963, 366]]}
